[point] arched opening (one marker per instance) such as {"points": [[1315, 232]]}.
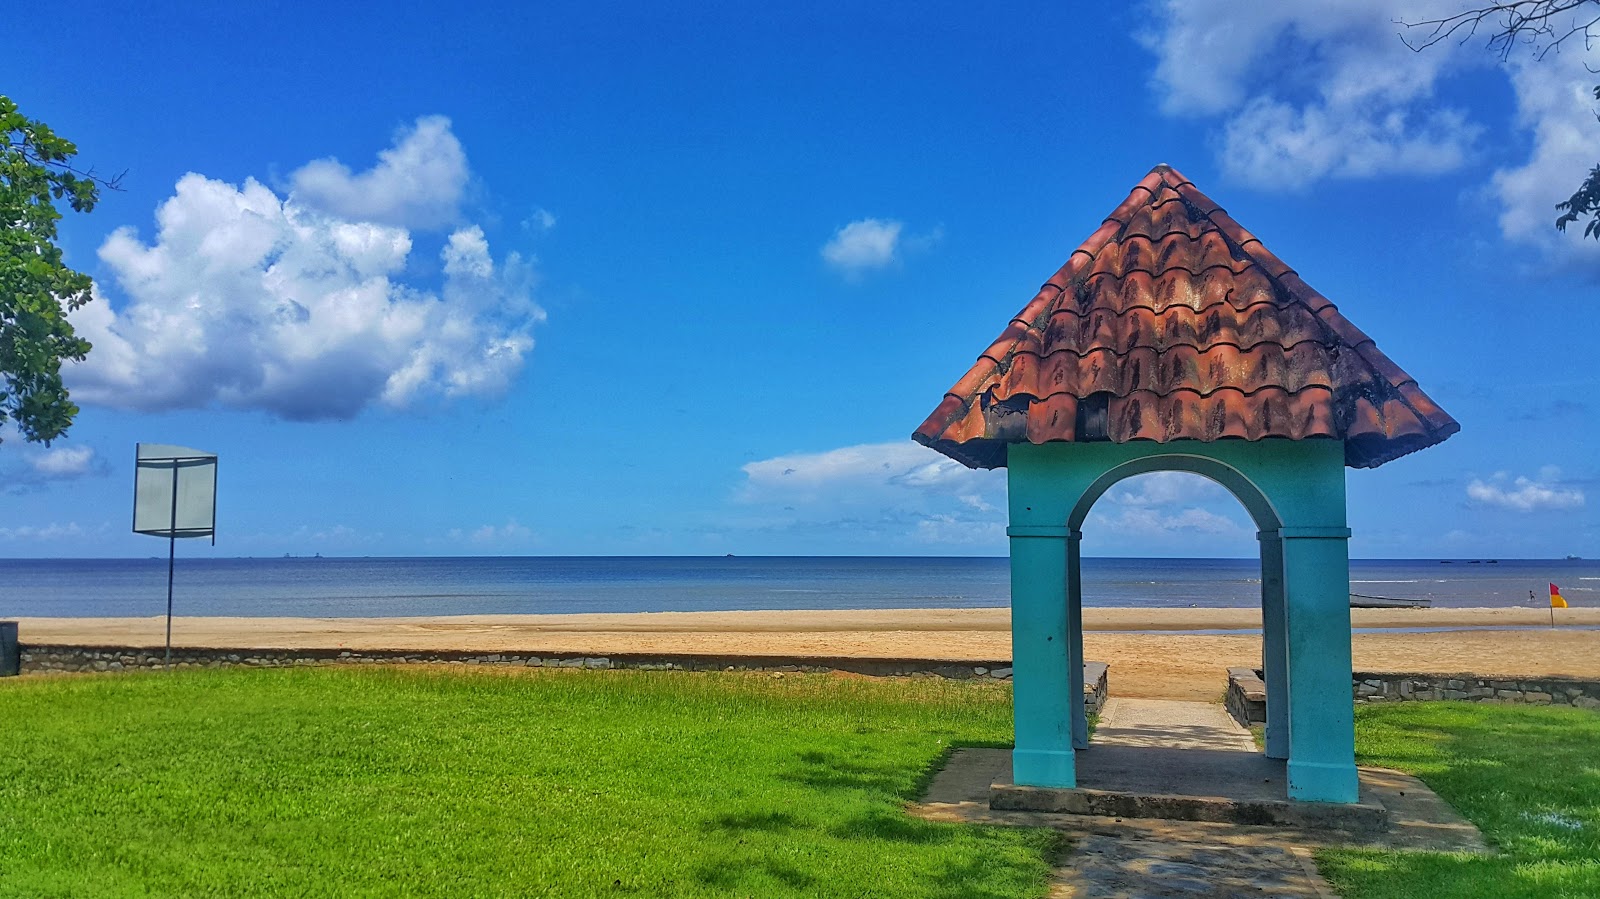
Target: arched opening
{"points": [[1182, 506]]}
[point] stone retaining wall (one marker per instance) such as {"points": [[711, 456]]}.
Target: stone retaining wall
{"points": [[1545, 690], [1246, 698], [48, 659]]}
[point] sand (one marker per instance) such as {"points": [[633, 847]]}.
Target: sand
{"points": [[1148, 650]]}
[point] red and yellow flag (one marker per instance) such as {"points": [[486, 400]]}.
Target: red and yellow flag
{"points": [[1556, 600]]}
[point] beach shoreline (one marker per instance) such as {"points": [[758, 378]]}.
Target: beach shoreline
{"points": [[1153, 652]]}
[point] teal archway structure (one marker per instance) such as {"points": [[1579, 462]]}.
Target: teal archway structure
{"points": [[1294, 491], [1172, 340]]}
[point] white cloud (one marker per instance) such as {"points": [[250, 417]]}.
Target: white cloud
{"points": [[1168, 513], [490, 534], [1151, 522], [1556, 104], [417, 183], [254, 301], [1309, 90], [1524, 494], [1272, 143], [1327, 89], [863, 245], [52, 531], [25, 467], [539, 221], [1166, 488], [897, 492], [850, 470], [64, 462]]}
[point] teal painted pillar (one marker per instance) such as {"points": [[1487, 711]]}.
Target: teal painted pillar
{"points": [[1080, 715], [1040, 653], [1274, 645], [1316, 566]]}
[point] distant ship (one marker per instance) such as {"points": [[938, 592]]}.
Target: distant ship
{"points": [[1574, 558]]}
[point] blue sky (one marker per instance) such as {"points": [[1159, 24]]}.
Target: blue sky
{"points": [[610, 278]]}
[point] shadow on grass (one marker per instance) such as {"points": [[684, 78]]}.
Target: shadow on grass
{"points": [[764, 821], [857, 801], [837, 771]]}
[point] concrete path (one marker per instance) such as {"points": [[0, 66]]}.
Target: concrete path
{"points": [[1198, 749], [1170, 747], [1170, 724]]}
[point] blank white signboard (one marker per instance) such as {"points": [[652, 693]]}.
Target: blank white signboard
{"points": [[174, 491]]}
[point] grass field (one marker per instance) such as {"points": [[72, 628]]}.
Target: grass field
{"points": [[1528, 777], [405, 782]]}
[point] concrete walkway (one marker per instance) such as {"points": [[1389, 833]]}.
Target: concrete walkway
{"points": [[1194, 749]]}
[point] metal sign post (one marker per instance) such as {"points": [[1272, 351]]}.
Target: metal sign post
{"points": [[174, 495]]}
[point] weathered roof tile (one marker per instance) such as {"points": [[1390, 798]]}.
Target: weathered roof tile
{"points": [[1190, 329]]}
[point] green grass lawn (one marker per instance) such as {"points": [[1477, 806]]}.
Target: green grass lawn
{"points": [[1529, 777], [406, 782]]}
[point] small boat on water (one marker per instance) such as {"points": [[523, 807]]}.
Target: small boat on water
{"points": [[1358, 601]]}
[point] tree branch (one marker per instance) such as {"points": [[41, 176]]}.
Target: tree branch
{"points": [[112, 183], [1538, 23]]}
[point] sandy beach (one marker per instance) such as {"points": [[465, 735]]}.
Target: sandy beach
{"points": [[1152, 652]]}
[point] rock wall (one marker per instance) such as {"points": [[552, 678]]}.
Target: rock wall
{"points": [[1246, 698], [1390, 687]]}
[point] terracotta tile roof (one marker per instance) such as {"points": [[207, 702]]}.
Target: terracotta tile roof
{"points": [[1179, 325]]}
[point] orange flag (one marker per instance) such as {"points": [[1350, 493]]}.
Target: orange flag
{"points": [[1556, 600]]}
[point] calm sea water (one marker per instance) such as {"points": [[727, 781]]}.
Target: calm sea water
{"points": [[377, 587]]}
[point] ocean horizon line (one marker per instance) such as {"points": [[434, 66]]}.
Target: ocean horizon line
{"points": [[765, 557]]}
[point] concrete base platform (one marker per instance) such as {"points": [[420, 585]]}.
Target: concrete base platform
{"points": [[1418, 818], [1182, 761], [1358, 817], [1223, 827], [1173, 762]]}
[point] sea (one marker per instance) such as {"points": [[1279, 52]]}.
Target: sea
{"points": [[385, 587]]}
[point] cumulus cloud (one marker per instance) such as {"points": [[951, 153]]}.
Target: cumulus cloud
{"points": [[863, 245], [306, 311], [417, 183], [1327, 89], [1305, 91], [1164, 512], [539, 221], [25, 468], [1524, 494], [64, 462], [1166, 488], [1148, 522], [869, 244], [893, 492], [849, 470], [904, 492], [1556, 104]]}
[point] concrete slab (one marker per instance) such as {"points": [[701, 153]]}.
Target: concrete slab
{"points": [[1418, 818], [1187, 761]]}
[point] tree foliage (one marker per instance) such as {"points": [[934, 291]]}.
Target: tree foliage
{"points": [[37, 288], [1585, 201], [1542, 26]]}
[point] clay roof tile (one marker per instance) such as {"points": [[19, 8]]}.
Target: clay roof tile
{"points": [[1189, 328]]}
